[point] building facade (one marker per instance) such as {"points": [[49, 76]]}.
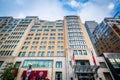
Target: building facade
{"points": [[107, 44], [117, 15], [57, 50], [107, 36], [90, 27]]}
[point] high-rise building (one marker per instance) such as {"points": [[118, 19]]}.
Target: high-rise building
{"points": [[36, 42], [107, 36], [90, 27], [117, 15], [85, 60], [57, 50], [107, 43]]}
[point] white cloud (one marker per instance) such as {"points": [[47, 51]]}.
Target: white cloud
{"points": [[92, 11], [48, 10], [73, 4], [21, 15], [53, 9], [111, 6]]}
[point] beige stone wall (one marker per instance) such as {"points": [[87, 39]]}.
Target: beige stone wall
{"points": [[51, 71]]}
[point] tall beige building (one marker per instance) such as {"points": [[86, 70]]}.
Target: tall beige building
{"points": [[49, 46]]}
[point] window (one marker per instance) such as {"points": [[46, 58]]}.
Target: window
{"points": [[39, 30], [37, 38], [60, 42], [51, 47], [50, 53], [52, 38], [43, 26], [44, 42], [114, 63], [59, 26], [58, 64], [52, 42], [45, 34], [53, 30], [41, 53], [79, 52], [50, 26], [1, 62], [44, 38], [35, 42], [3, 31], [60, 30], [102, 65], [60, 53], [60, 34], [26, 43], [24, 47], [22, 54], [60, 47], [42, 47], [29, 38], [38, 63], [84, 52], [33, 30], [35, 26], [82, 62], [38, 34], [33, 47], [60, 38], [10, 31], [75, 52], [17, 64], [58, 76], [31, 54], [30, 34], [52, 34], [46, 30]]}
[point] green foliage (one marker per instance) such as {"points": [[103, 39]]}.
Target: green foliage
{"points": [[8, 72]]}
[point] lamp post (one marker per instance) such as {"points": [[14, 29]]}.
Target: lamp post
{"points": [[29, 70]]}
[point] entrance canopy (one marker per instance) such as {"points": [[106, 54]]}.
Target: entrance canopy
{"points": [[86, 68]]}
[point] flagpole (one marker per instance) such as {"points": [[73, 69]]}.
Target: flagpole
{"points": [[73, 64], [93, 57]]}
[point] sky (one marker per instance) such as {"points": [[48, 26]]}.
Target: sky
{"points": [[56, 9]]}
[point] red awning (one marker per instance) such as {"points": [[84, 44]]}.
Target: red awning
{"points": [[41, 73], [32, 74], [24, 73], [37, 73], [46, 79]]}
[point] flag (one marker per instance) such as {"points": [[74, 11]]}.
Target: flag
{"points": [[73, 59], [93, 58]]}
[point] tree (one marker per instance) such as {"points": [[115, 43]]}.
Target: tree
{"points": [[8, 72]]}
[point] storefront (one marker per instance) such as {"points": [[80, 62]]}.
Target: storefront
{"points": [[113, 62], [35, 75]]}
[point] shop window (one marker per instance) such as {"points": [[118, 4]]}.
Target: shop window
{"points": [[17, 64]]}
